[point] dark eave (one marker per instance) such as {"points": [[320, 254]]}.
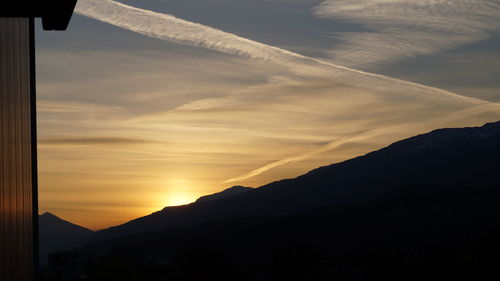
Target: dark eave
{"points": [[55, 14]]}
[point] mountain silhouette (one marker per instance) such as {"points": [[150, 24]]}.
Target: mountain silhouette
{"points": [[416, 232], [405, 217], [56, 234], [444, 157]]}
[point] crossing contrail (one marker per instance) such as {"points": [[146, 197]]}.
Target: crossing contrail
{"points": [[169, 28]]}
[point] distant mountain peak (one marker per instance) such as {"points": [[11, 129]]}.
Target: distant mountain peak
{"points": [[49, 220], [237, 189], [48, 215], [57, 234]]}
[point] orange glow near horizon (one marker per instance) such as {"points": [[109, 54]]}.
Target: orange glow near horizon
{"points": [[180, 192], [123, 135], [178, 199]]}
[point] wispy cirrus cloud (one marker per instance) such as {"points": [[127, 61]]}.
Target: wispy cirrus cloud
{"points": [[407, 28], [173, 29], [92, 141], [420, 41], [72, 107]]}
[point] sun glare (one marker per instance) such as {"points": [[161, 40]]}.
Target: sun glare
{"points": [[177, 199], [179, 192]]}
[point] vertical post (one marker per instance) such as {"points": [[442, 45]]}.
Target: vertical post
{"points": [[18, 135], [17, 182]]}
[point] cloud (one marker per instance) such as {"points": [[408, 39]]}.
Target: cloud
{"points": [[123, 84], [92, 141], [73, 107], [170, 28], [407, 28], [275, 125], [370, 134]]}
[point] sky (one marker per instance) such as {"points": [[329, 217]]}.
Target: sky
{"points": [[146, 104]]}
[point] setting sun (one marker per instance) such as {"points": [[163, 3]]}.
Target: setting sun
{"points": [[177, 199], [180, 191]]}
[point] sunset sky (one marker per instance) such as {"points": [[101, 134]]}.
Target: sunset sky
{"points": [[156, 103]]}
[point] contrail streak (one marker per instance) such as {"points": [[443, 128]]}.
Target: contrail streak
{"points": [[170, 28], [334, 144], [493, 107]]}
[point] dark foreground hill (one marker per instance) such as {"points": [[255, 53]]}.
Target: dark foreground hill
{"points": [[419, 232], [56, 234], [447, 157]]}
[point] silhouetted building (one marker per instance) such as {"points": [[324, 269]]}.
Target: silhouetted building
{"points": [[70, 265], [18, 179]]}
